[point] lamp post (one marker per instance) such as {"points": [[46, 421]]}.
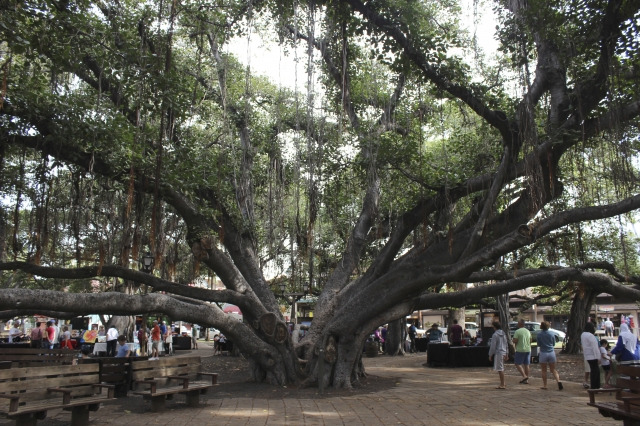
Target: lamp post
{"points": [[146, 263]]}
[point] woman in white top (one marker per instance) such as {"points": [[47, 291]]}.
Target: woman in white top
{"points": [[591, 353]]}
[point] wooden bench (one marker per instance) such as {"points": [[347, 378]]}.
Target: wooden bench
{"points": [[626, 406], [26, 357], [159, 379], [115, 371], [26, 394]]}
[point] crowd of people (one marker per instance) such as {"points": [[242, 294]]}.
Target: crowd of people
{"points": [[597, 353], [51, 335]]}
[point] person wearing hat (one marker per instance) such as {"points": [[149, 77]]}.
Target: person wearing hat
{"points": [[434, 334], [155, 340]]}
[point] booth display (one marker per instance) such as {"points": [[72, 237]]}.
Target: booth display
{"points": [[181, 342], [445, 355]]}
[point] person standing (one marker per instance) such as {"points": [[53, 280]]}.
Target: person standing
{"points": [[412, 337], [14, 332], [522, 357], [383, 336], [591, 353], [546, 344], [56, 337], [143, 340], [194, 336], [455, 334], [605, 362], [36, 336], [168, 341], [498, 352], [66, 338], [434, 335], [50, 335], [155, 340], [123, 350], [608, 328], [626, 348], [112, 340]]}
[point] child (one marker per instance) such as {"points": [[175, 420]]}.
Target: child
{"points": [[605, 362], [123, 349]]}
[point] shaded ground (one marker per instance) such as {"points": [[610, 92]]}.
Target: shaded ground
{"points": [[234, 373]]}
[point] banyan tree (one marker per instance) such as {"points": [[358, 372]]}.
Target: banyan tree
{"points": [[384, 158]]}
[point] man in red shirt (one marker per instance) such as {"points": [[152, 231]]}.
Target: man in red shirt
{"points": [[455, 334], [155, 339], [50, 334]]}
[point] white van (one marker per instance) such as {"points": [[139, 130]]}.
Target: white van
{"points": [[472, 328]]}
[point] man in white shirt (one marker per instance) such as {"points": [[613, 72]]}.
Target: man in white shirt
{"points": [[56, 337], [608, 328], [15, 332], [112, 341]]}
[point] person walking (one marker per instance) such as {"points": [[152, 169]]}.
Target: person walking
{"points": [[522, 357], [547, 356], [591, 353], [498, 352], [112, 340]]}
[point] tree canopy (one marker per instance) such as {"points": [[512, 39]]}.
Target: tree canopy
{"points": [[407, 160]]}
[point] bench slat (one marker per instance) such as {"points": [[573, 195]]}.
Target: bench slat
{"points": [[160, 383]]}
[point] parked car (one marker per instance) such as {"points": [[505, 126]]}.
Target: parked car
{"points": [[534, 328]]}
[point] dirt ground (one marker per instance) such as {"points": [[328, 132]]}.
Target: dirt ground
{"points": [[234, 373]]}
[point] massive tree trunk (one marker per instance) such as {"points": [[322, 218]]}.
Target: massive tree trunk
{"points": [[396, 335], [579, 316]]}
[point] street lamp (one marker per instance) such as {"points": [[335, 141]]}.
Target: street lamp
{"points": [[147, 262]]}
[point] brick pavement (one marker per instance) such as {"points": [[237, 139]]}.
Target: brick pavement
{"points": [[421, 396]]}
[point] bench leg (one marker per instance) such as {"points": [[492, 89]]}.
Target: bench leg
{"points": [[28, 419], [80, 416], [157, 403], [193, 398]]}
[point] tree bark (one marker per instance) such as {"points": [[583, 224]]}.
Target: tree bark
{"points": [[396, 334], [579, 316]]}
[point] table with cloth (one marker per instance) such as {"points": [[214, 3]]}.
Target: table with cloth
{"points": [[445, 355]]}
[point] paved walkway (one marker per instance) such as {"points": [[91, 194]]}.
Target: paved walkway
{"points": [[421, 396]]}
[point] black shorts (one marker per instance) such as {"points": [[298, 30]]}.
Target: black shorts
{"points": [[606, 367]]}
